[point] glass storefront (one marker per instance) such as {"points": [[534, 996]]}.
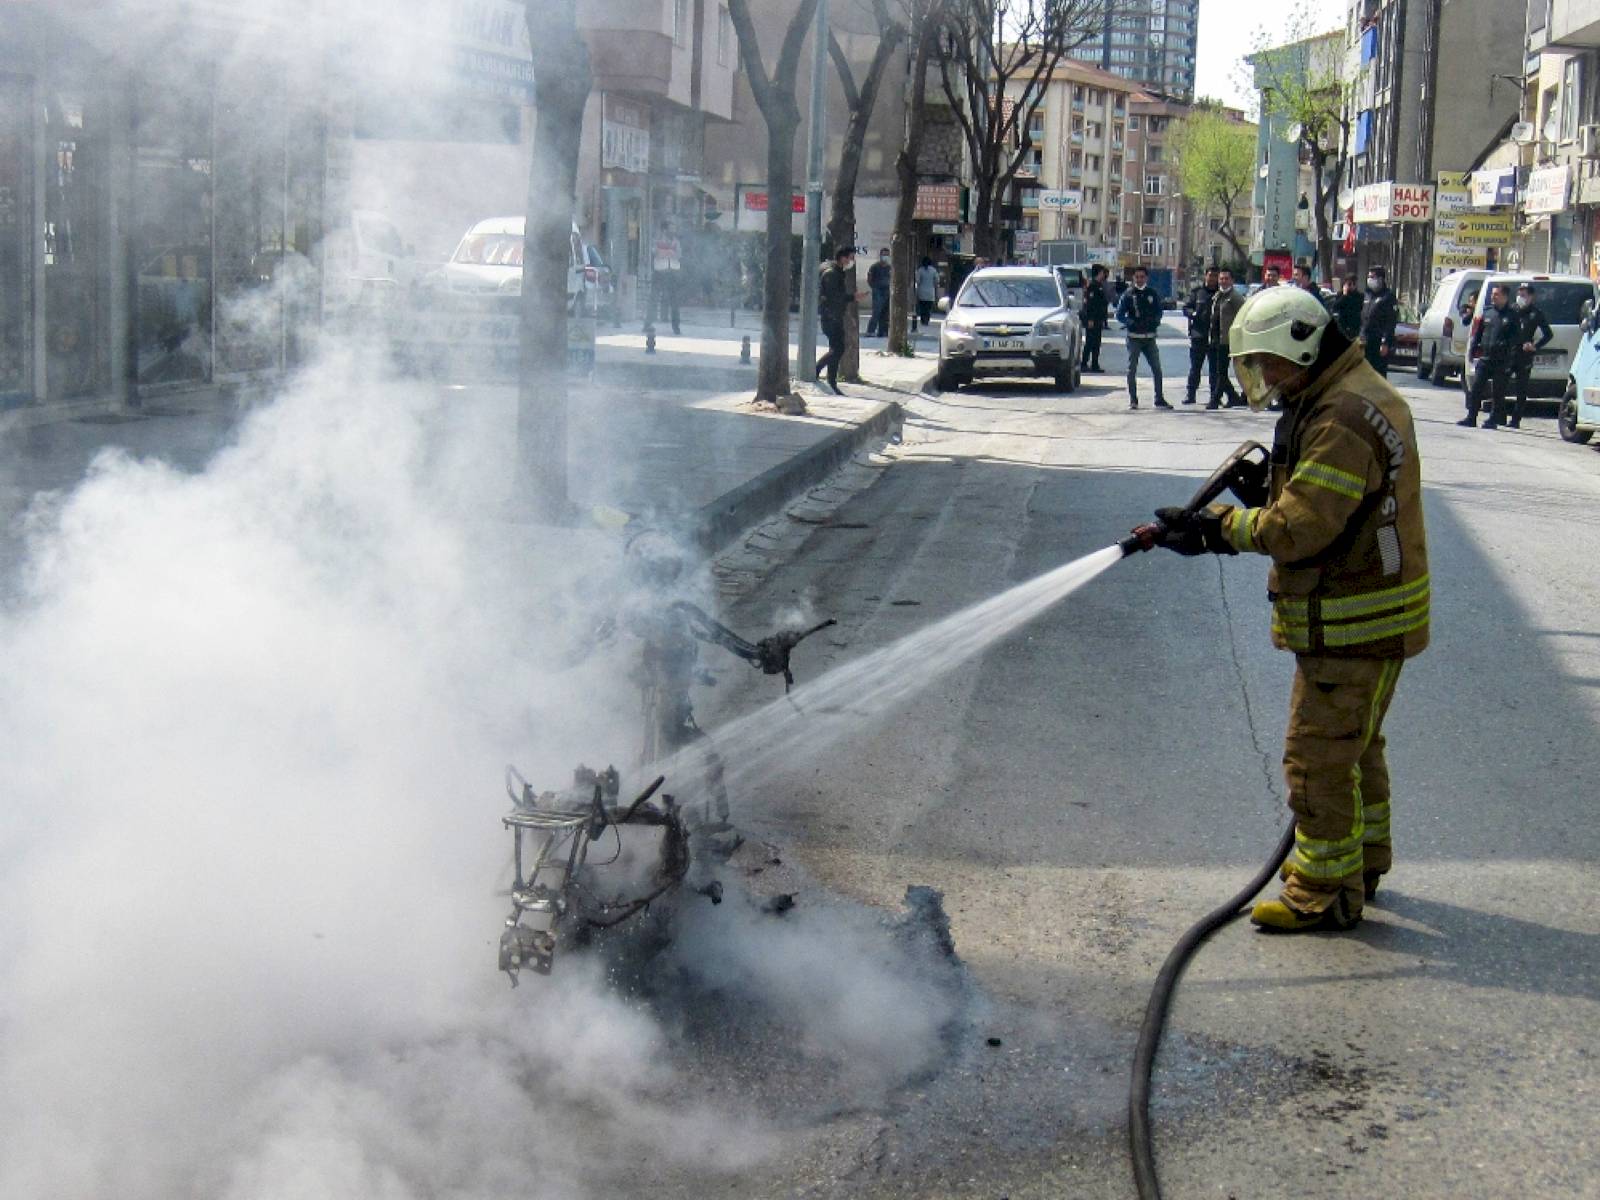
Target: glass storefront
{"points": [[172, 231], [76, 348], [16, 258]]}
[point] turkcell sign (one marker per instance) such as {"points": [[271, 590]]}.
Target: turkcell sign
{"points": [[1388, 203], [1060, 201]]}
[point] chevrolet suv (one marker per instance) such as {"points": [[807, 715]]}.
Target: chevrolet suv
{"points": [[1009, 321]]}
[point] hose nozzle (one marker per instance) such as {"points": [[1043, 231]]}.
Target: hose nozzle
{"points": [[1143, 537]]}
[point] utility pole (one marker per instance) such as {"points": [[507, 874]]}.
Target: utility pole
{"points": [[816, 143]]}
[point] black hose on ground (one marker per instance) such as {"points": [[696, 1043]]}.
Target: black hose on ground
{"points": [[1155, 1018]]}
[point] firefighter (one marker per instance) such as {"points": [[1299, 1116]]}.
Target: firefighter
{"points": [[1342, 522]]}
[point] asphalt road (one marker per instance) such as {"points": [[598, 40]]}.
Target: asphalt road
{"points": [[1099, 780]]}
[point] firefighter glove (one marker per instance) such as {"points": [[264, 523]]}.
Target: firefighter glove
{"points": [[1190, 533]]}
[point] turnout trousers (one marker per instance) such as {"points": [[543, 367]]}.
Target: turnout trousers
{"points": [[1333, 763]]}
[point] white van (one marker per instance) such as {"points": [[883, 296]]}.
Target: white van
{"points": [[488, 263], [1561, 298], [1442, 332]]}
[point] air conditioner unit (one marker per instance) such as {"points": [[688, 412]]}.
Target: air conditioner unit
{"points": [[1589, 141]]}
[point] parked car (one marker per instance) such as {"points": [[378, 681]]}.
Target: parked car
{"points": [[1403, 352], [1579, 414], [1442, 332], [1561, 298], [1010, 321], [487, 264], [1073, 277]]}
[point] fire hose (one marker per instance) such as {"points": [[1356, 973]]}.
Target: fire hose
{"points": [[1244, 472]]}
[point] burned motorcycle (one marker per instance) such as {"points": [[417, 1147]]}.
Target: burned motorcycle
{"points": [[559, 895]]}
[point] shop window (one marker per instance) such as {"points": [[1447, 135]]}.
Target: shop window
{"points": [[74, 243], [16, 258], [253, 266], [172, 231]]}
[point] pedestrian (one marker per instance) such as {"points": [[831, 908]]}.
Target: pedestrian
{"points": [[1379, 315], [1346, 308], [927, 290], [833, 303], [1304, 281], [1198, 309], [1224, 310], [1096, 308], [1271, 276], [666, 269], [1341, 519], [1492, 350], [1534, 326], [1139, 312], [878, 276]]}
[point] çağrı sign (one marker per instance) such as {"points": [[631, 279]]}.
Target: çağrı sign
{"points": [[1060, 201], [1386, 203]]}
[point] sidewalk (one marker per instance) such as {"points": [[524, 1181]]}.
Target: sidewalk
{"points": [[708, 353]]}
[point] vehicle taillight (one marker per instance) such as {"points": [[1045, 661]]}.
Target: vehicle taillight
{"points": [[1449, 326], [1477, 326]]}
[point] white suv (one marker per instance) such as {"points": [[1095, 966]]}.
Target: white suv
{"points": [[1009, 321]]}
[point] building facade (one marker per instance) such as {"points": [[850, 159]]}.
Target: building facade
{"points": [[1151, 43]]}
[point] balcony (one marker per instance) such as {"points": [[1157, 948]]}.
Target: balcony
{"points": [[1573, 25]]}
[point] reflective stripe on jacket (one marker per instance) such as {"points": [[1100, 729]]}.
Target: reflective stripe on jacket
{"points": [[1344, 524]]}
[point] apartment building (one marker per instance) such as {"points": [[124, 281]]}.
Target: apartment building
{"points": [[1150, 43]]}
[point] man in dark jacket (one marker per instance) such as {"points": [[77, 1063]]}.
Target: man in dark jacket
{"points": [[1379, 315], [1492, 351], [1346, 308], [833, 301], [878, 276], [1224, 307], [1536, 334], [1198, 309], [1096, 309], [1139, 311]]}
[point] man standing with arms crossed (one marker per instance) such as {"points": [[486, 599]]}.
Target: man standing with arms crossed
{"points": [[1224, 309], [1198, 309]]}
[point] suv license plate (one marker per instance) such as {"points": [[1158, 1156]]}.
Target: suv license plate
{"points": [[1004, 344], [1547, 360]]}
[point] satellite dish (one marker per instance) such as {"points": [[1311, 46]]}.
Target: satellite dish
{"points": [[1293, 132], [1347, 197], [1522, 133], [1552, 129]]}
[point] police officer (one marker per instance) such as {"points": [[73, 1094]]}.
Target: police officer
{"points": [[1198, 309], [1493, 346], [1096, 311], [1380, 313], [1342, 524], [1536, 334]]}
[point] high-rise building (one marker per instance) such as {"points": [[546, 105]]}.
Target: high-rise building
{"points": [[1150, 42]]}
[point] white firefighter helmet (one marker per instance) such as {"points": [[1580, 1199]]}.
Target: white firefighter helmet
{"points": [[1286, 322]]}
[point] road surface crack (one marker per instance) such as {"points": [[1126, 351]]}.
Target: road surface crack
{"points": [[1267, 772]]}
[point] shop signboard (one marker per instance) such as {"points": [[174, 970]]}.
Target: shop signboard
{"points": [[1493, 187], [938, 202], [1052, 200], [1547, 190], [490, 52], [1391, 203], [624, 135], [1453, 207]]}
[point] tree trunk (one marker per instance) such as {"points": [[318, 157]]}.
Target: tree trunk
{"points": [[772, 380], [1320, 216], [903, 268], [561, 90], [985, 238], [842, 232]]}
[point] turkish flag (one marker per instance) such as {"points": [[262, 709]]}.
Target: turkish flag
{"points": [[1349, 246]]}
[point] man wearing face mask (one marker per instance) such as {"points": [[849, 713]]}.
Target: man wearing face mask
{"points": [[1379, 316], [878, 275], [1492, 350], [833, 305], [1342, 522], [1535, 335]]}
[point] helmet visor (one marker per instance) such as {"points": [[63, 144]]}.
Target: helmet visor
{"points": [[1257, 391]]}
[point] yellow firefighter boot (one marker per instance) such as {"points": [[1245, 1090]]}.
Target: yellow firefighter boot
{"points": [[1280, 916]]}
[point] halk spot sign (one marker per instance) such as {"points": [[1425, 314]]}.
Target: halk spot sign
{"points": [[1388, 203]]}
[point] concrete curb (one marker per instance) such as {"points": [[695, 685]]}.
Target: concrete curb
{"points": [[730, 514]]}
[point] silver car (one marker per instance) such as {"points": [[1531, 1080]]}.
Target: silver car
{"points": [[1010, 321]]}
